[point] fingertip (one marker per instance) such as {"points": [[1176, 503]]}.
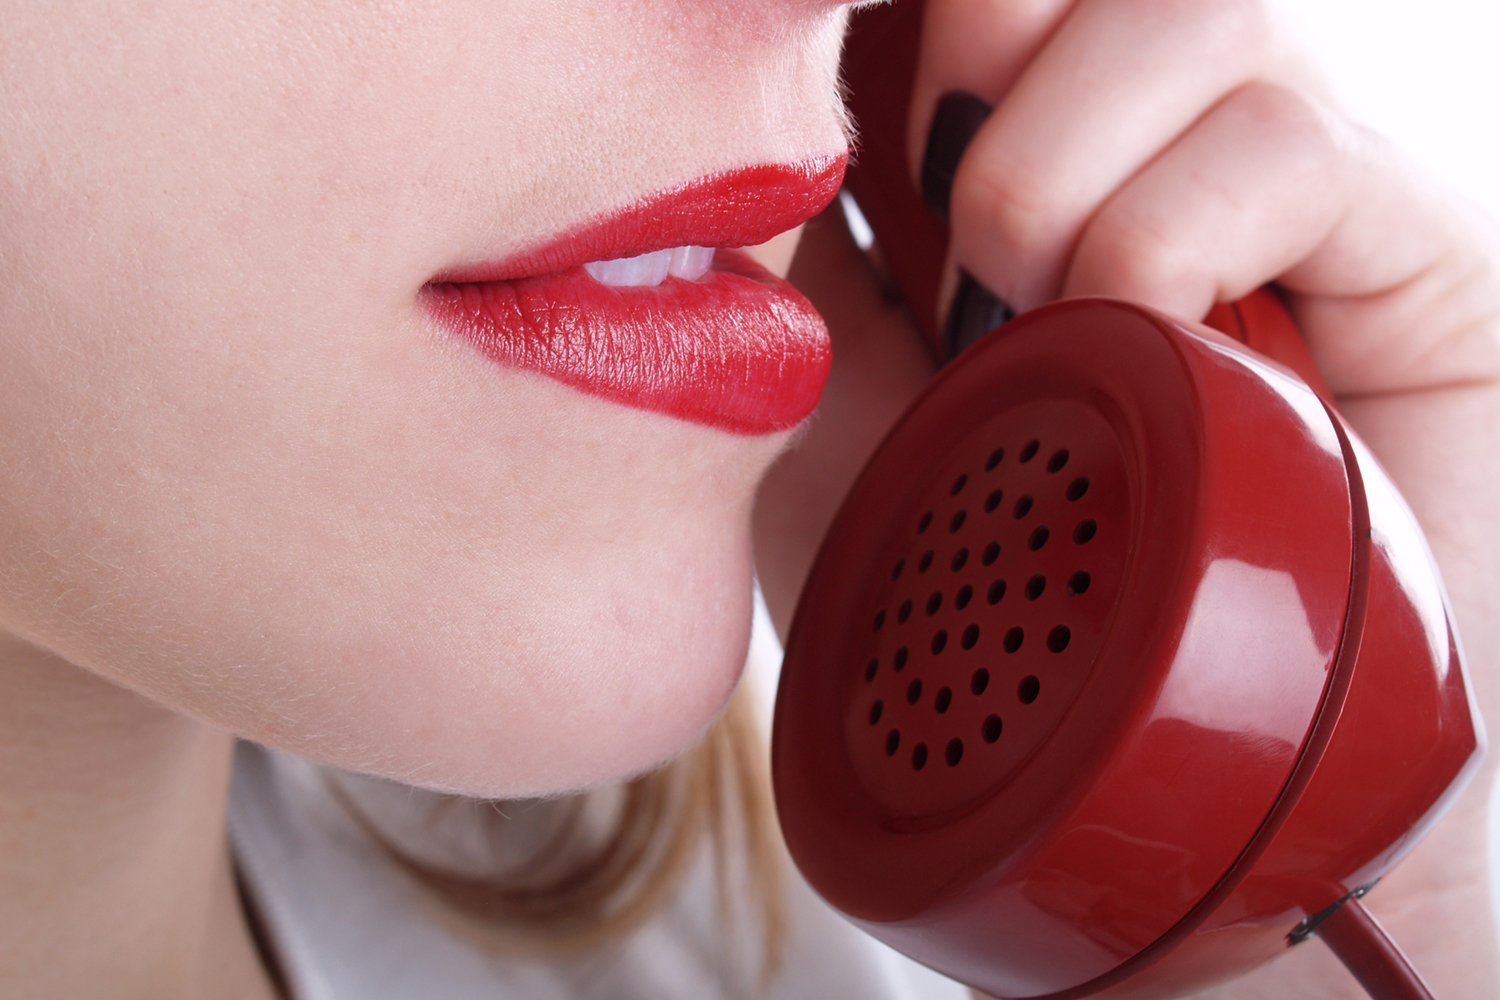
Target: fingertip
{"points": [[1118, 262]]}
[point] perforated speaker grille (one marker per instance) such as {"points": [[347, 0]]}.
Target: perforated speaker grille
{"points": [[988, 608]]}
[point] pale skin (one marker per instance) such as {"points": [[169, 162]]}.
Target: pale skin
{"points": [[246, 488]]}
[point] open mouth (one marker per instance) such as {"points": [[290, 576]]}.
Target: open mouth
{"points": [[652, 307]]}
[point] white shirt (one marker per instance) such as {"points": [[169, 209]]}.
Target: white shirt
{"points": [[348, 923]]}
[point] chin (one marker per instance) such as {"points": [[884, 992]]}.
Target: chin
{"points": [[484, 660], [588, 688]]}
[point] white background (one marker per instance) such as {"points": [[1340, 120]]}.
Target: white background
{"points": [[1424, 72]]}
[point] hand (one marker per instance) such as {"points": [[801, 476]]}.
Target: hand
{"points": [[1180, 154]]}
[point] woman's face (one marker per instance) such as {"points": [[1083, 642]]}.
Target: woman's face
{"points": [[250, 470]]}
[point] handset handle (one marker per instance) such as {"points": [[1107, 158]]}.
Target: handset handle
{"points": [[879, 67], [1261, 322]]}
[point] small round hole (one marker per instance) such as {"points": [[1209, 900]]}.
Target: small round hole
{"points": [[990, 554], [934, 602], [876, 710], [1058, 638], [1028, 689], [996, 457], [898, 661], [1023, 507], [957, 522], [879, 620], [1029, 452], [1077, 488], [1058, 460], [1038, 538], [896, 572], [1035, 586], [997, 591], [919, 756], [914, 691], [1014, 638], [955, 752], [993, 500], [904, 612], [979, 681], [1085, 530], [958, 484], [939, 641], [925, 563], [871, 668], [925, 523], [892, 742], [943, 699], [963, 597], [1078, 583], [971, 636], [959, 558], [990, 731]]}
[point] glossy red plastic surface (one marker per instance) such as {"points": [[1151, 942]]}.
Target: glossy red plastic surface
{"points": [[1215, 690], [880, 65], [1199, 742]]}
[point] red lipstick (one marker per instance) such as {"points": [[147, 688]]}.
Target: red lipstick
{"points": [[737, 349]]}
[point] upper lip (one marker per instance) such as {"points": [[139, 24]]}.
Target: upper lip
{"points": [[735, 208]]}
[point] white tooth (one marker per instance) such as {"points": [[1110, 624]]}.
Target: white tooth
{"points": [[690, 263], [647, 269]]}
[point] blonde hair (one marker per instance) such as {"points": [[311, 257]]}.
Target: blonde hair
{"points": [[613, 857]]}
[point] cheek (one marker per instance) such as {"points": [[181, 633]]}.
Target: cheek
{"points": [[235, 478], [510, 684]]}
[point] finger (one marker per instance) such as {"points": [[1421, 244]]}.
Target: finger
{"points": [[1251, 190], [977, 47], [1403, 294], [1115, 83], [1268, 185]]}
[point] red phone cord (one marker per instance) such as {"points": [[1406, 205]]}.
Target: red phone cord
{"points": [[1362, 945]]}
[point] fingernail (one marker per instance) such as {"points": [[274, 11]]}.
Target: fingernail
{"points": [[975, 312], [959, 115]]}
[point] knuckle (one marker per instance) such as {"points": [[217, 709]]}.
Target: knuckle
{"points": [[1242, 21], [1016, 205], [1298, 127], [1236, 35], [1135, 252]]}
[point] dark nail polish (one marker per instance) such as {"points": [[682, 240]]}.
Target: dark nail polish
{"points": [[958, 116], [975, 312]]}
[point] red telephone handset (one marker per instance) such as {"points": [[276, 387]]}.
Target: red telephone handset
{"points": [[1123, 666]]}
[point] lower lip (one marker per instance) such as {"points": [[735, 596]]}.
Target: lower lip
{"points": [[738, 349]]}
